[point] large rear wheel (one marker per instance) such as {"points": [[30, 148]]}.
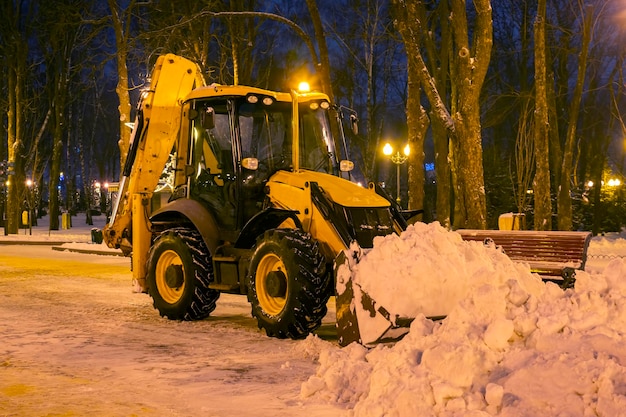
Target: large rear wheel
{"points": [[288, 286], [179, 273]]}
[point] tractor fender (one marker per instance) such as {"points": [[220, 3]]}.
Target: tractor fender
{"points": [[194, 212], [267, 219]]}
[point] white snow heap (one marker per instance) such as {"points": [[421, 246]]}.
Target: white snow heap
{"points": [[428, 270], [510, 345]]}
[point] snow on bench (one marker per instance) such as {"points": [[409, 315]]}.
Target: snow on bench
{"points": [[554, 255]]}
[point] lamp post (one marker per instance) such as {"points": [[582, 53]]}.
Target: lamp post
{"points": [[104, 202], [29, 201], [398, 159]]}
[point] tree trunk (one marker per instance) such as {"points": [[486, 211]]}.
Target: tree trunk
{"points": [[440, 134], [11, 225], [417, 124], [323, 66], [417, 118], [15, 132], [541, 187], [524, 157], [564, 201], [471, 72], [464, 125], [442, 172], [120, 29], [84, 172], [233, 51], [61, 64]]}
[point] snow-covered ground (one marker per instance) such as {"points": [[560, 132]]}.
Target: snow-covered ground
{"points": [[75, 340], [78, 235], [511, 346]]}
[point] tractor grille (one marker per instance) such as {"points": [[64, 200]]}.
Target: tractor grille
{"points": [[368, 223]]}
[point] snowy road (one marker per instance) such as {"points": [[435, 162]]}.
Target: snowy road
{"points": [[76, 341]]}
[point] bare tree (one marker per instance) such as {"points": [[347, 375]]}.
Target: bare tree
{"points": [[14, 32], [439, 59], [368, 73], [417, 118], [121, 19], [564, 200], [463, 119], [524, 158], [323, 65], [541, 188], [62, 24]]}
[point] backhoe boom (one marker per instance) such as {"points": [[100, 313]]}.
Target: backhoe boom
{"points": [[154, 132]]}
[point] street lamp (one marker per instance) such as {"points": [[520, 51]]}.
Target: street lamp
{"points": [[398, 159], [29, 185], [304, 87]]}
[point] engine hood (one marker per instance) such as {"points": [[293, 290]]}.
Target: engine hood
{"points": [[340, 190]]}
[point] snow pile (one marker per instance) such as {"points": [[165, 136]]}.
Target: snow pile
{"points": [[510, 346], [607, 246], [428, 270], [614, 243]]}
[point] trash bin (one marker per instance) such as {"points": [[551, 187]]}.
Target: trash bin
{"points": [[25, 218], [96, 236], [66, 220], [512, 221]]}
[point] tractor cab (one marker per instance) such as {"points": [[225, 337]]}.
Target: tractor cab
{"points": [[235, 138]]}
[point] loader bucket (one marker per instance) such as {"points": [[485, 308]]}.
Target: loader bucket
{"points": [[359, 318]]}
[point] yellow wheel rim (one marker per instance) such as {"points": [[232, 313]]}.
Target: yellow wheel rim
{"points": [[271, 305], [168, 294]]}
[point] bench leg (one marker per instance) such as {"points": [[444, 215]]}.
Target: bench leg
{"points": [[569, 278]]}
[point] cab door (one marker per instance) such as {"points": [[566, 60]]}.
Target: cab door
{"points": [[212, 159]]}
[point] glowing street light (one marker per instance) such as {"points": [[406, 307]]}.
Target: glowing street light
{"points": [[398, 159], [614, 182], [304, 87]]}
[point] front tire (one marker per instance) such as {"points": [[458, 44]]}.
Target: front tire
{"points": [[288, 284], [179, 273]]}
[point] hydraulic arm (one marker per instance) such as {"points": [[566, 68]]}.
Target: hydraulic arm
{"points": [[154, 132]]}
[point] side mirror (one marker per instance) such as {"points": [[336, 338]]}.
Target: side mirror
{"points": [[208, 119], [354, 124], [250, 163], [346, 166]]}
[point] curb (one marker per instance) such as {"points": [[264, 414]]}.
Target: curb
{"points": [[87, 251], [56, 245], [33, 242]]}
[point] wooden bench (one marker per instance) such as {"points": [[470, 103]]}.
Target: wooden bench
{"points": [[554, 255]]}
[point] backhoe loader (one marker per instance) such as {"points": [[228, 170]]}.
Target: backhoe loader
{"points": [[260, 204]]}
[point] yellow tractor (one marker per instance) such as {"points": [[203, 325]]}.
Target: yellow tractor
{"points": [[259, 203]]}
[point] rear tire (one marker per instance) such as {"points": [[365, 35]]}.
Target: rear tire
{"points": [[288, 284], [179, 272]]}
